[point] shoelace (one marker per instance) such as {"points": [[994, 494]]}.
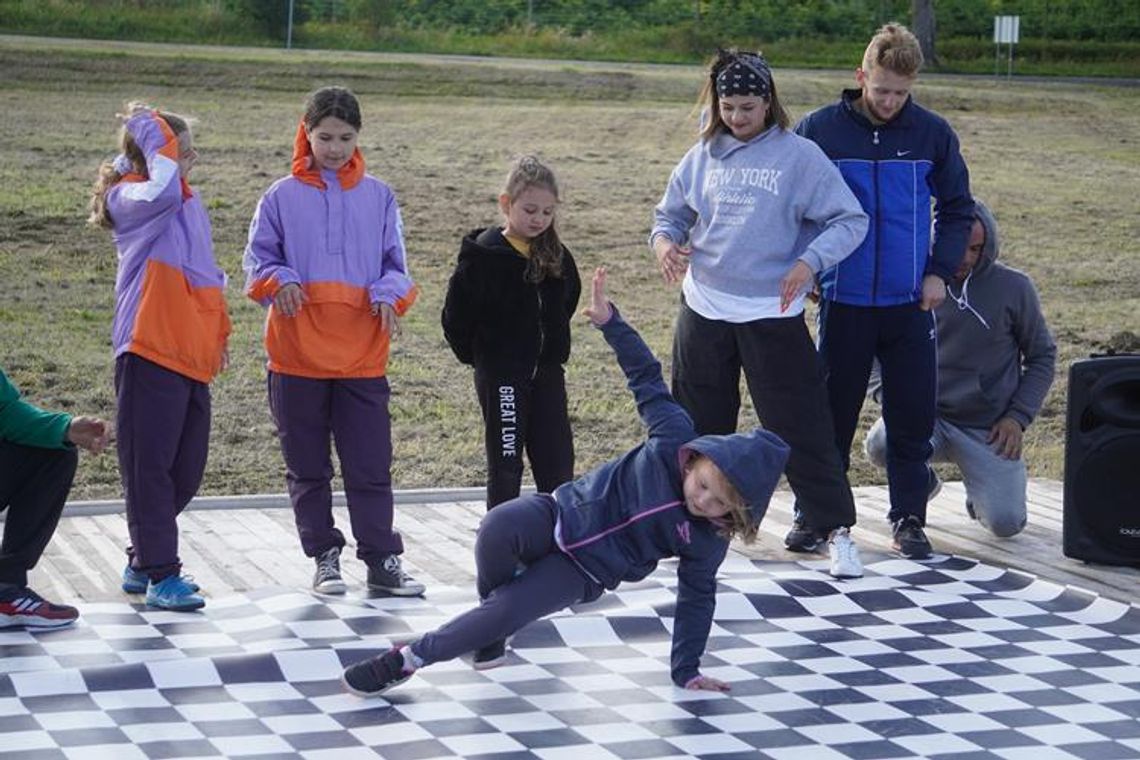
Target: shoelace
{"points": [[327, 565], [396, 568]]}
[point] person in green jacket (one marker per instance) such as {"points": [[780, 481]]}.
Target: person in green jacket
{"points": [[37, 465]]}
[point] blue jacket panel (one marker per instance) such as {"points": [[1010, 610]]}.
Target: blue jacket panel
{"points": [[617, 521], [897, 171]]}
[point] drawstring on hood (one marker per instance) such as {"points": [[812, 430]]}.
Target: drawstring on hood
{"points": [[306, 170], [990, 252]]}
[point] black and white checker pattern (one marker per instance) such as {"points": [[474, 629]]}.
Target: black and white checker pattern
{"points": [[949, 659]]}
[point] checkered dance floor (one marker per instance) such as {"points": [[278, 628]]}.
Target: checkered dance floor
{"points": [[948, 658]]}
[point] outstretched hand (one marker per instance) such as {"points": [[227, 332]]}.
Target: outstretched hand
{"points": [[599, 311]]}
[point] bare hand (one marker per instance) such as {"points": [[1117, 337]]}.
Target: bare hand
{"points": [[794, 282], [389, 321], [1005, 436], [89, 433], [933, 292], [225, 356], [599, 311], [707, 683], [672, 259], [288, 299]]}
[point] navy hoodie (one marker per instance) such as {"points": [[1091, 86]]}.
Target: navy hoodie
{"points": [[617, 521]]}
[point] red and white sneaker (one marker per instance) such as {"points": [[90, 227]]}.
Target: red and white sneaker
{"points": [[27, 608]]}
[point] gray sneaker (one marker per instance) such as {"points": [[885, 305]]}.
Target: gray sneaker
{"points": [[327, 579], [387, 576]]}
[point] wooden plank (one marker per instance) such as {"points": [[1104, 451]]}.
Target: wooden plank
{"points": [[237, 550]]}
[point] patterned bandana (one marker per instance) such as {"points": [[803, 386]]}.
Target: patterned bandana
{"points": [[745, 74]]}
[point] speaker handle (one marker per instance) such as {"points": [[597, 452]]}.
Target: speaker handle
{"points": [[1115, 398]]}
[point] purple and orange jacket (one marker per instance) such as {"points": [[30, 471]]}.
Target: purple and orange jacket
{"points": [[169, 302], [339, 236]]}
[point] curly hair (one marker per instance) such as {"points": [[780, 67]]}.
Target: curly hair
{"points": [[546, 249]]}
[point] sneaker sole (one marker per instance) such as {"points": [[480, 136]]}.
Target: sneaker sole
{"points": [[365, 694], [489, 664], [25, 621], [187, 607], [331, 587], [396, 591], [805, 548], [912, 555], [130, 588]]}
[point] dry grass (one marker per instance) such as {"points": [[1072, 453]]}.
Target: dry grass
{"points": [[1059, 163]]}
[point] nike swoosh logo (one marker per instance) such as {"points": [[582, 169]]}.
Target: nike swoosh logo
{"points": [[901, 153]]}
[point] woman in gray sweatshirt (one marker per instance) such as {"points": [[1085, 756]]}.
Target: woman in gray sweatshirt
{"points": [[751, 214]]}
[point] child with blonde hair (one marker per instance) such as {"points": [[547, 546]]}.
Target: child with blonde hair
{"points": [[674, 495], [169, 338], [507, 313]]}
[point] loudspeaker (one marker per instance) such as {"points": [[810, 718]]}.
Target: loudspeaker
{"points": [[1102, 461]]}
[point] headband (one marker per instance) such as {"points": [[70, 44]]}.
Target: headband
{"points": [[744, 74]]}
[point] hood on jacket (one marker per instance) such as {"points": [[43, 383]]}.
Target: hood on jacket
{"points": [[992, 247], [752, 462], [305, 170], [488, 240]]}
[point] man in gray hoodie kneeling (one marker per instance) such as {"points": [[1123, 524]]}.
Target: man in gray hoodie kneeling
{"points": [[996, 359]]}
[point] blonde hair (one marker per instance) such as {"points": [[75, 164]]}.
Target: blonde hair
{"points": [[110, 173], [546, 249], [894, 48], [738, 521], [711, 100]]}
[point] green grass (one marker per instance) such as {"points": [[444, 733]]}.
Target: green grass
{"points": [[1058, 163]]}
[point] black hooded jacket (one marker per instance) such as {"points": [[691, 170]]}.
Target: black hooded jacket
{"points": [[495, 319]]}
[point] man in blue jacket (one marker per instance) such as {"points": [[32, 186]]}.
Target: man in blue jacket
{"points": [[897, 157]]}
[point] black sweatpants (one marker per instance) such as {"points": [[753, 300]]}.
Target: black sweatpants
{"points": [[904, 340], [34, 484], [523, 413], [785, 381]]}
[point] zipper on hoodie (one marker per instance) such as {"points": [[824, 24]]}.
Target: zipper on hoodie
{"points": [[541, 332], [878, 227]]}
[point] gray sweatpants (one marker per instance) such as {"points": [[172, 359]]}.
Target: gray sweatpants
{"points": [[519, 532], [995, 487]]}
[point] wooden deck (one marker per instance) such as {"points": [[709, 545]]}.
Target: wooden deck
{"points": [[231, 549]]}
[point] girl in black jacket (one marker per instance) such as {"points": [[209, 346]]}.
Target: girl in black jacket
{"points": [[507, 313]]}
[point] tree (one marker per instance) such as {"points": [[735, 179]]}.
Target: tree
{"points": [[922, 24]]}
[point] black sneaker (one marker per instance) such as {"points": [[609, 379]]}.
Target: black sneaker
{"points": [[374, 676], [491, 656], [388, 576], [910, 539], [327, 578], [803, 538]]}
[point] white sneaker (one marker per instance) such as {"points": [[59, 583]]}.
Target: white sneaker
{"points": [[844, 555]]}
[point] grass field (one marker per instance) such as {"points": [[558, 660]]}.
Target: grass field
{"points": [[1060, 164]]}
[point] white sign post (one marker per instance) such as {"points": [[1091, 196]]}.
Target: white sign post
{"points": [[1007, 30]]}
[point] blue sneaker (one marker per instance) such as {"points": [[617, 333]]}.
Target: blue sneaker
{"points": [[135, 581], [173, 593]]}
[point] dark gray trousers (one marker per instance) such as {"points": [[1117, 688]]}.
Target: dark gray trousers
{"points": [[521, 576]]}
